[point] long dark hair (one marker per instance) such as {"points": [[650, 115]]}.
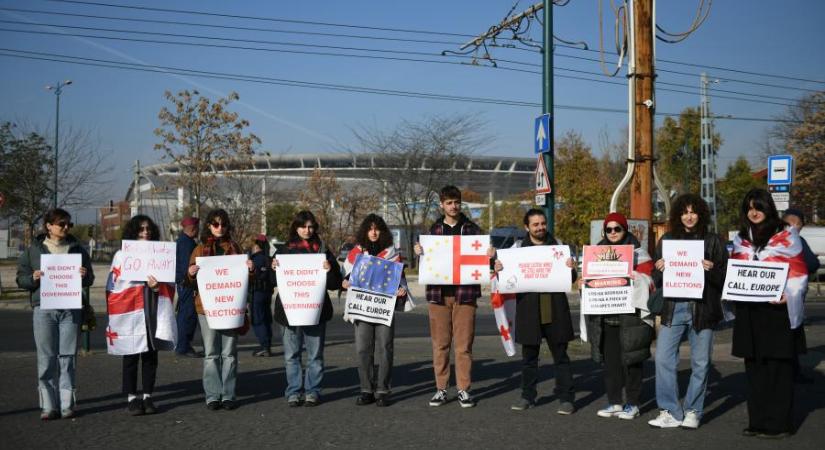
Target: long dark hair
{"points": [[132, 228], [762, 201], [680, 205], [301, 218], [384, 234], [55, 215], [206, 233]]}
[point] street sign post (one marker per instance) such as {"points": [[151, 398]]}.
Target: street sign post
{"points": [[780, 169], [542, 178], [541, 136]]}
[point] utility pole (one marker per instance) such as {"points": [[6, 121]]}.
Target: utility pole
{"points": [[708, 165], [136, 190], [644, 107], [547, 108], [58, 89]]}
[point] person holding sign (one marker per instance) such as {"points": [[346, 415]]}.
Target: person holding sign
{"points": [[452, 308], [220, 363], [769, 335], [688, 221], [622, 341], [55, 330], [141, 320], [374, 238], [306, 388], [543, 316]]}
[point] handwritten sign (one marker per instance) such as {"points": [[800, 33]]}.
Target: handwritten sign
{"points": [[373, 285], [302, 283], [683, 276], [755, 281], [454, 260], [608, 286], [61, 283], [539, 268], [222, 286], [143, 258]]}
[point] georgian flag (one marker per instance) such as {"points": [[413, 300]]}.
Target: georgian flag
{"points": [[504, 309], [454, 260], [785, 247], [126, 331]]}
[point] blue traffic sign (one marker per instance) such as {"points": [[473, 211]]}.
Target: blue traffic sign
{"points": [[780, 169], [541, 134]]}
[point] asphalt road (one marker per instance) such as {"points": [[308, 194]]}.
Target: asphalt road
{"points": [[264, 419]]}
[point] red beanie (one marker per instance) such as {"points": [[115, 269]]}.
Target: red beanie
{"points": [[615, 217]]}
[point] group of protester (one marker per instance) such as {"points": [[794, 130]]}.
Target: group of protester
{"points": [[769, 336]]}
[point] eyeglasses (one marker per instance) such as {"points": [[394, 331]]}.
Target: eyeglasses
{"points": [[608, 230], [218, 225], [63, 224]]}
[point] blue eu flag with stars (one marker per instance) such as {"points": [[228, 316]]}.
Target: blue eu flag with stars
{"points": [[376, 274]]}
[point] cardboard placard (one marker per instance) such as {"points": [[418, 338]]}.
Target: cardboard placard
{"points": [[683, 276], [143, 258], [755, 281], [61, 285], [608, 285], [373, 285], [538, 268], [454, 260], [222, 286], [302, 283]]}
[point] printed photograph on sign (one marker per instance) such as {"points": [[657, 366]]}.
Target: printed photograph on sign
{"points": [[454, 260], [373, 284], [607, 261]]}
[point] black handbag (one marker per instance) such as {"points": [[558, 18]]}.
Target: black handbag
{"points": [[656, 302]]}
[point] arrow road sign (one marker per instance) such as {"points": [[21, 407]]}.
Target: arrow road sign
{"points": [[541, 135]]}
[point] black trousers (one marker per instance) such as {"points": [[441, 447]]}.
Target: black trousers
{"points": [[148, 372], [617, 375], [770, 394], [530, 370]]}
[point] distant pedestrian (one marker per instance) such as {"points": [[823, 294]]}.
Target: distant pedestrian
{"points": [[55, 330], [261, 290], [220, 363], [187, 317], [143, 311]]}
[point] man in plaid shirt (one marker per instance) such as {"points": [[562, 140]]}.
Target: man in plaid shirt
{"points": [[452, 309]]}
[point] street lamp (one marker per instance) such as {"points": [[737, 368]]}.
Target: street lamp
{"points": [[58, 89]]}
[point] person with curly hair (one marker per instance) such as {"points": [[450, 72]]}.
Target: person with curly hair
{"points": [[131, 302]]}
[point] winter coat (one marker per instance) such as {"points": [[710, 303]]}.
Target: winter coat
{"points": [[29, 262], [528, 311], [707, 311], [334, 279]]}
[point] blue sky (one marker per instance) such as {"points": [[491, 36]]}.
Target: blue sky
{"points": [[122, 106]]}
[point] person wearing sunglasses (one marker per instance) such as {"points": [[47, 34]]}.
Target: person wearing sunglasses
{"points": [[622, 341], [689, 219], [158, 329], [220, 363], [55, 330]]}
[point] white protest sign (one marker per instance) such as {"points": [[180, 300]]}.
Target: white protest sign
{"points": [[454, 260], [222, 286], [683, 276], [61, 284], [302, 283], [755, 281], [539, 268], [373, 284], [608, 287], [143, 258]]}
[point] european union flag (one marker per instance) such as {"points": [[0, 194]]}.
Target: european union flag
{"points": [[376, 274]]}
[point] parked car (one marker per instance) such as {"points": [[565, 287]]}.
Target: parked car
{"points": [[505, 237]]}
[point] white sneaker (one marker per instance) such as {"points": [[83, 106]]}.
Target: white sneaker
{"points": [[609, 411], [629, 412], [664, 420], [691, 420]]}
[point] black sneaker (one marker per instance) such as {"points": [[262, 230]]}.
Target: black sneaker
{"points": [[135, 407], [382, 400], [365, 399], [214, 405], [149, 406], [439, 398], [229, 405], [465, 399]]}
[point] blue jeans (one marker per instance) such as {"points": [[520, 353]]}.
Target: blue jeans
{"points": [[220, 362], [667, 363], [261, 307], [187, 319], [55, 335], [294, 338]]}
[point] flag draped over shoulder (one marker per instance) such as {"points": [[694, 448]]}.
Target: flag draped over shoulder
{"points": [[784, 247], [126, 333], [504, 309]]}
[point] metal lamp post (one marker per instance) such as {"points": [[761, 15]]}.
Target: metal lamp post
{"points": [[58, 89]]}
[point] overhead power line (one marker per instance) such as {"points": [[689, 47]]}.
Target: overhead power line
{"points": [[97, 62]]}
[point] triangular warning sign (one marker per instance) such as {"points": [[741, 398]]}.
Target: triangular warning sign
{"points": [[542, 180]]}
